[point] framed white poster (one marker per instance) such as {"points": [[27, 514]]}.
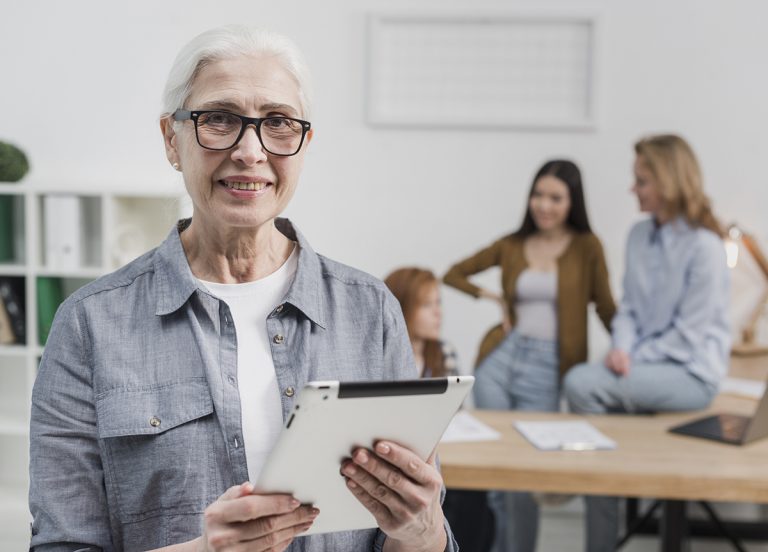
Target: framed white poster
{"points": [[481, 71]]}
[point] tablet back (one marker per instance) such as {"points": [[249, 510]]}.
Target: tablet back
{"points": [[330, 419]]}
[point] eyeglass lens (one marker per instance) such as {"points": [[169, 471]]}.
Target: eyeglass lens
{"points": [[220, 130]]}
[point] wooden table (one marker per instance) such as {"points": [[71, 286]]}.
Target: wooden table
{"points": [[648, 462]]}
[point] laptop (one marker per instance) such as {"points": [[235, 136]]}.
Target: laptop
{"points": [[730, 428]]}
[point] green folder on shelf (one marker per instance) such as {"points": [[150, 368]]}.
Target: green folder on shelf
{"points": [[50, 294], [6, 229]]}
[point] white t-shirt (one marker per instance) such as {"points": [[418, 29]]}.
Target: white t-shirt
{"points": [[250, 304]]}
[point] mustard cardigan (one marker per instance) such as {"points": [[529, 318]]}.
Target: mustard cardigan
{"points": [[582, 278]]}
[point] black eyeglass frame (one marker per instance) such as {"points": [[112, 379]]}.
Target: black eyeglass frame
{"points": [[184, 115]]}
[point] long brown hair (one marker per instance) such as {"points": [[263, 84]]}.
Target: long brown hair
{"points": [[674, 166], [409, 285]]}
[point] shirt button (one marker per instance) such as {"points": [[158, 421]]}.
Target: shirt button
{"points": [[154, 421], [231, 379], [278, 339], [289, 391], [279, 308]]}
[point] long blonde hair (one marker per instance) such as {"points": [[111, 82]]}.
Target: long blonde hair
{"points": [[677, 172]]}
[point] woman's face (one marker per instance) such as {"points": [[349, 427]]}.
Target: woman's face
{"points": [[550, 203], [646, 188], [427, 316], [255, 86]]}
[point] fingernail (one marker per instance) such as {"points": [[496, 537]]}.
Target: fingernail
{"points": [[362, 457], [350, 470], [383, 448], [295, 503], [314, 512], [351, 484]]}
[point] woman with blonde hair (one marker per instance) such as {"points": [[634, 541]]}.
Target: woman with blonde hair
{"points": [[671, 338]]}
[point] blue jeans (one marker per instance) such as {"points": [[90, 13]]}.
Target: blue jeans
{"points": [[649, 387], [522, 373]]}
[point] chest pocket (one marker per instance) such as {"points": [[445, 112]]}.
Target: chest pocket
{"points": [[158, 448]]}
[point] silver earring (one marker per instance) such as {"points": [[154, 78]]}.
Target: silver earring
{"points": [[176, 166]]}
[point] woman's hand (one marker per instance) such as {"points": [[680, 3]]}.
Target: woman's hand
{"points": [[618, 362], [506, 323], [240, 520], [402, 492]]}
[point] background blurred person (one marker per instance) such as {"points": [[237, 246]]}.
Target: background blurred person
{"points": [[552, 268], [671, 336], [418, 291]]}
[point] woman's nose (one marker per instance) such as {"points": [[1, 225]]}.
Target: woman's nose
{"points": [[249, 149]]}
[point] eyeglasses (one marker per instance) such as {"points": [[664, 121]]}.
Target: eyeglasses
{"points": [[222, 130]]}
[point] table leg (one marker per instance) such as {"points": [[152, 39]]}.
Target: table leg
{"points": [[674, 526]]}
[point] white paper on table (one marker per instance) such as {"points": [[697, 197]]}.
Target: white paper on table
{"points": [[567, 435], [466, 428], [753, 389]]}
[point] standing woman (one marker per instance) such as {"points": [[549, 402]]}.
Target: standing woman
{"points": [[164, 386], [671, 336], [552, 268]]}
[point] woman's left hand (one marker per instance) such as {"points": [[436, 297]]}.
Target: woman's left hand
{"points": [[402, 491]]}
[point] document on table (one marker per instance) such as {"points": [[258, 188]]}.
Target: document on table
{"points": [[568, 435], [741, 386], [466, 428]]}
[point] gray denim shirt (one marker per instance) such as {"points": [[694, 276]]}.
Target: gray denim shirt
{"points": [[135, 424]]}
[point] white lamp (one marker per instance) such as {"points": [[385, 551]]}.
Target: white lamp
{"points": [[735, 238]]}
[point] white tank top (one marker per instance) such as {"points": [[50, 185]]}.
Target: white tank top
{"points": [[536, 304], [260, 408]]}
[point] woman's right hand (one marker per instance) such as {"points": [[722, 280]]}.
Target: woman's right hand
{"points": [[618, 362], [240, 520], [506, 323]]}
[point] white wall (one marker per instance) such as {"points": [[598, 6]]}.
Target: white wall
{"points": [[81, 80]]}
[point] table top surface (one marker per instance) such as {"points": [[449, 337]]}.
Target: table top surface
{"points": [[648, 461]]}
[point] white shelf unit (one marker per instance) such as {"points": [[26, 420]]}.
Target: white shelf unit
{"points": [[115, 227]]}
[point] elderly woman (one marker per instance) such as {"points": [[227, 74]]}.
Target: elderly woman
{"points": [[164, 385]]}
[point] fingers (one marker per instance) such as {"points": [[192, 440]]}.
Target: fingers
{"points": [[409, 463], [279, 524], [238, 505], [400, 480], [272, 532]]}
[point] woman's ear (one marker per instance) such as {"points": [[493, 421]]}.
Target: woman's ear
{"points": [[169, 138]]}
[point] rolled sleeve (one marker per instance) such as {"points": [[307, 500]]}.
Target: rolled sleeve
{"points": [[67, 498]]}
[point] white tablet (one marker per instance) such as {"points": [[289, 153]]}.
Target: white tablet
{"points": [[332, 418]]}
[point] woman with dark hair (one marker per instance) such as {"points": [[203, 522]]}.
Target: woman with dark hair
{"points": [[552, 268]]}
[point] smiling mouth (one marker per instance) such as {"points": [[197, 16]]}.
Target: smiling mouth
{"points": [[248, 186]]}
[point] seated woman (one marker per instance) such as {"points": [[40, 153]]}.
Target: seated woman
{"points": [[552, 268], [671, 337], [418, 292]]}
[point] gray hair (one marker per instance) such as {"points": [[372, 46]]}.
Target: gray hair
{"points": [[228, 42]]}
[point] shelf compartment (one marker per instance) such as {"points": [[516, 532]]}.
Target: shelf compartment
{"points": [[12, 235], [71, 230], [13, 310]]}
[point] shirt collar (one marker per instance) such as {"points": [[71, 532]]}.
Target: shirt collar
{"points": [[176, 283], [667, 234]]}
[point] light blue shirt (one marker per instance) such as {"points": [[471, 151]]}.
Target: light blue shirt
{"points": [[136, 416], [675, 304]]}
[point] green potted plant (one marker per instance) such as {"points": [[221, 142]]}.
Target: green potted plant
{"points": [[13, 163]]}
